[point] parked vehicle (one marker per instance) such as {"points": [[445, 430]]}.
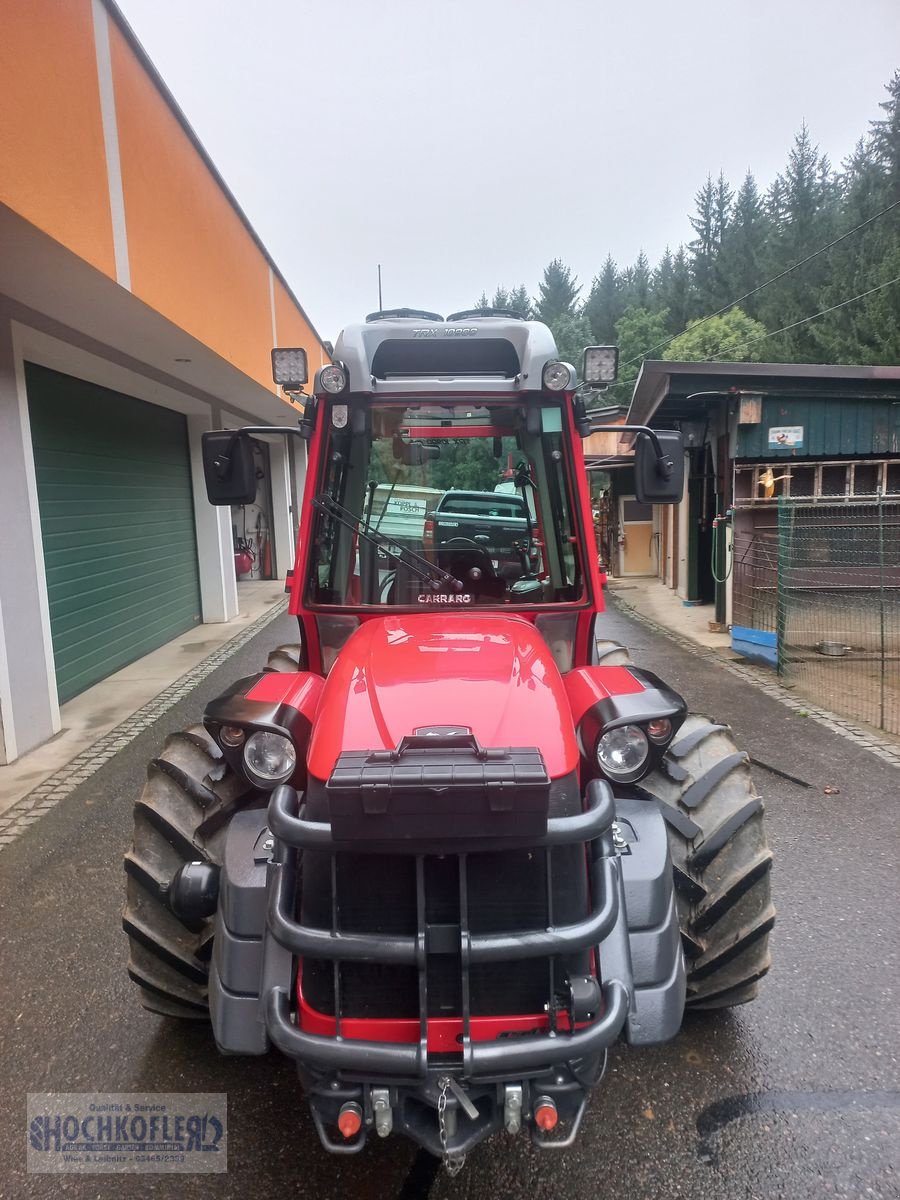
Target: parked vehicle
{"points": [[451, 846], [498, 521]]}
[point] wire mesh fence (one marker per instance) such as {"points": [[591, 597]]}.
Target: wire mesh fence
{"points": [[837, 606], [755, 587]]}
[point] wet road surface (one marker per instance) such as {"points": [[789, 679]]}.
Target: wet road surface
{"points": [[796, 1095]]}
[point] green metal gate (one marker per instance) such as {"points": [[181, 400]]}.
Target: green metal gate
{"points": [[117, 523]]}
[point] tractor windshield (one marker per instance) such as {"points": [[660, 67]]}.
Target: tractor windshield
{"points": [[449, 504]]}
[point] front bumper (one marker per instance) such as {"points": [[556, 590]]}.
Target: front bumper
{"points": [[503, 1057]]}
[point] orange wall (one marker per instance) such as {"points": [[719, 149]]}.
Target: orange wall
{"points": [[189, 253], [191, 257], [52, 157], [294, 331]]}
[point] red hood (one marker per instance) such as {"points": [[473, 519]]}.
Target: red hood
{"points": [[493, 675]]}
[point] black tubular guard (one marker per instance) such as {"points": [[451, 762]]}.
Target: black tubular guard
{"points": [[592, 827]]}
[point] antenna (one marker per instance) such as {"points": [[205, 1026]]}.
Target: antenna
{"points": [[380, 304]]}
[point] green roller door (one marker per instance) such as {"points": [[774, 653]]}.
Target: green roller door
{"points": [[117, 521]]}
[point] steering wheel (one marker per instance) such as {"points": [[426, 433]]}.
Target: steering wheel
{"points": [[477, 574]]}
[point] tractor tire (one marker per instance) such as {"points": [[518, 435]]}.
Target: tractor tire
{"points": [[611, 654], [181, 816], [721, 861]]}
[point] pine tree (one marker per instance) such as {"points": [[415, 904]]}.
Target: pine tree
{"points": [[605, 303], [682, 300], [807, 199], [885, 138], [710, 223], [867, 330], [640, 281], [743, 245], [558, 293], [520, 301]]}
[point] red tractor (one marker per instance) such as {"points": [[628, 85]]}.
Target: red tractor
{"points": [[453, 845]]}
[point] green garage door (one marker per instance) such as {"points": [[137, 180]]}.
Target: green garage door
{"points": [[117, 520]]}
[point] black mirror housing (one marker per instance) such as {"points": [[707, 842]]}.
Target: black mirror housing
{"points": [[228, 467], [659, 480]]}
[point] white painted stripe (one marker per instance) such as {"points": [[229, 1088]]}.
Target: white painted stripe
{"points": [[272, 307], [111, 143]]}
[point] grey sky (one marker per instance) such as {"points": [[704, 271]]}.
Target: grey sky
{"points": [[466, 144]]}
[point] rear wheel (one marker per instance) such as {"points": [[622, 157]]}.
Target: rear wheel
{"points": [[181, 816], [720, 857]]}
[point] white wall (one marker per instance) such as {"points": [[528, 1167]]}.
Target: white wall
{"points": [[28, 704], [29, 707]]}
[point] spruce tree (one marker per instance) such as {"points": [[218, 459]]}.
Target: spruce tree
{"points": [[605, 303], [557, 293]]}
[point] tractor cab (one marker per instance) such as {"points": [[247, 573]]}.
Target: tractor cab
{"points": [[446, 474]]}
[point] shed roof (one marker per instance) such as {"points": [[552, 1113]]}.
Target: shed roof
{"points": [[658, 379]]}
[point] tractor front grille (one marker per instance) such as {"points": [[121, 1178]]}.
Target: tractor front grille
{"points": [[498, 892]]}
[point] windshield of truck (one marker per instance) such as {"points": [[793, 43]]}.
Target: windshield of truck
{"points": [[450, 504]]}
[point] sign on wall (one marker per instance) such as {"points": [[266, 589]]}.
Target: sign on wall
{"points": [[786, 437]]}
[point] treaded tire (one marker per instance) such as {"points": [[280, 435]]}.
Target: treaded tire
{"points": [[720, 857], [181, 816], [611, 654]]}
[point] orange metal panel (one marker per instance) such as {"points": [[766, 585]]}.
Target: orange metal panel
{"points": [[294, 330], [191, 257], [52, 159]]}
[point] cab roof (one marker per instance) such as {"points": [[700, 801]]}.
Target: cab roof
{"points": [[391, 353]]}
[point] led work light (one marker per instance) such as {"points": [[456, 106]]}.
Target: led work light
{"points": [[289, 368], [601, 364]]}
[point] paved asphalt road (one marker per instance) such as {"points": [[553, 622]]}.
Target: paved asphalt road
{"points": [[796, 1095]]}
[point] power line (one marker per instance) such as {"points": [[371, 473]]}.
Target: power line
{"points": [[781, 274], [805, 320]]}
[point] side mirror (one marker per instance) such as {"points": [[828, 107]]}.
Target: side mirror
{"points": [[228, 467], [659, 479]]}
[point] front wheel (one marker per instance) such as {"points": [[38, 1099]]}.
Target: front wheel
{"points": [[181, 816], [721, 862]]}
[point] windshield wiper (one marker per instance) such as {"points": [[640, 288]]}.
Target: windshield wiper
{"points": [[419, 566]]}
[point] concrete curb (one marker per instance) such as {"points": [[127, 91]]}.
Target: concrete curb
{"points": [[31, 807]]}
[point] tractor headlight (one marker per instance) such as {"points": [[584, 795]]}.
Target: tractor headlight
{"points": [[558, 377], [622, 752], [269, 758], [333, 380]]}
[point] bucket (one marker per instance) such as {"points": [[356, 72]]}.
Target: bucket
{"points": [[833, 649]]}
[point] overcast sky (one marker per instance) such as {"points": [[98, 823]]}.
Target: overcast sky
{"points": [[466, 144]]}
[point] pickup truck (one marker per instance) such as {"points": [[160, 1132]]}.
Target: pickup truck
{"points": [[497, 521]]}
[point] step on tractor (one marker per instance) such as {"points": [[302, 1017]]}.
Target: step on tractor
{"points": [[452, 845]]}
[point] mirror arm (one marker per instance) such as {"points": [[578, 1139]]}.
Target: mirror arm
{"points": [[223, 461], [664, 464]]}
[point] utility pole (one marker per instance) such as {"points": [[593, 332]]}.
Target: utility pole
{"points": [[380, 304]]}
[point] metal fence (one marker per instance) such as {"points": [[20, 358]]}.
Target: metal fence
{"points": [[837, 605], [755, 587]]}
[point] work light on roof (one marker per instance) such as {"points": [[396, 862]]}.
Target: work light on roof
{"points": [[289, 367], [558, 377], [333, 380], [601, 365]]}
